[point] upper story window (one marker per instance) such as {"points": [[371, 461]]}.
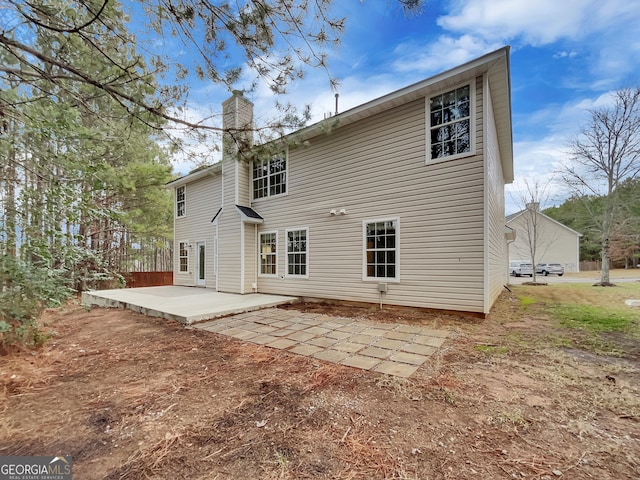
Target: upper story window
{"points": [[181, 201], [270, 176], [450, 125]]}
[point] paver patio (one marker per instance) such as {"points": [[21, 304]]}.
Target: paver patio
{"points": [[393, 349]]}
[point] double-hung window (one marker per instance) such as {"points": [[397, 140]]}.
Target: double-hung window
{"points": [[181, 201], [269, 176], [297, 252], [450, 125], [183, 256], [268, 253], [381, 242]]}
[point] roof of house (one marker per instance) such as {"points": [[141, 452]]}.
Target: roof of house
{"points": [[513, 216], [249, 212], [196, 174]]}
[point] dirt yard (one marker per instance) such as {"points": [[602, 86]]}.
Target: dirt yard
{"points": [[511, 396]]}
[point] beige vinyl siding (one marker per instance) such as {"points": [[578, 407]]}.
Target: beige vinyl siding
{"points": [[229, 234], [244, 187], [203, 197], [495, 255], [556, 244], [375, 169], [250, 255]]}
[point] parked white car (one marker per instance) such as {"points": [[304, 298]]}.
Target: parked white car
{"points": [[517, 269], [550, 269]]}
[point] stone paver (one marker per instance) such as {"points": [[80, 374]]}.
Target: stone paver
{"points": [[282, 343], [387, 348], [321, 342], [408, 328], [411, 358], [376, 352], [348, 347], [363, 339], [263, 339], [396, 369], [265, 329], [306, 350], [338, 335], [390, 344], [231, 332], [301, 336], [331, 355], [282, 324], [244, 335], [352, 328], [407, 337], [431, 341], [424, 350], [359, 361], [281, 333], [318, 330]]}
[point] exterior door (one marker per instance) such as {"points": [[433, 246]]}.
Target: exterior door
{"points": [[200, 259]]}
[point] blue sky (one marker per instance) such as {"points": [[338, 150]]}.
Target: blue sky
{"points": [[566, 57]]}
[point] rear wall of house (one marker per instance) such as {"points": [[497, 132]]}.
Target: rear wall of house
{"points": [[376, 169], [203, 198]]}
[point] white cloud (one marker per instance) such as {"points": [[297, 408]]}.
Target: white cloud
{"points": [[565, 54], [446, 52], [537, 22]]}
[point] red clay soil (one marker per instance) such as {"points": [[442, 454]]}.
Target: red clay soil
{"points": [[134, 397]]}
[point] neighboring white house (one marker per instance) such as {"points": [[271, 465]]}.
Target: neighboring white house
{"points": [[555, 242], [399, 199]]}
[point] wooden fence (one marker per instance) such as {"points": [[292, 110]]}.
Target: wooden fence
{"points": [[148, 279], [590, 266]]}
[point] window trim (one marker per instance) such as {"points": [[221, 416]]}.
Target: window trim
{"points": [[183, 201], [267, 275], [306, 263], [180, 256], [472, 123], [285, 154], [366, 278]]}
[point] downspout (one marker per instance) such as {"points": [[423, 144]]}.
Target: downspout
{"points": [[242, 226], [256, 262]]}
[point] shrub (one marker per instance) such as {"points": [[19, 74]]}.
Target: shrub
{"points": [[25, 291]]}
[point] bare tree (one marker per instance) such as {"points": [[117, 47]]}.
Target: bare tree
{"points": [[533, 237], [606, 153]]}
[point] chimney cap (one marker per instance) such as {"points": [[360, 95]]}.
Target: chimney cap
{"points": [[238, 93]]}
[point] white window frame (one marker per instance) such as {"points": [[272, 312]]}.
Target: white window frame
{"points": [[285, 155], [396, 249], [306, 253], [180, 256], [260, 254], [472, 124], [183, 202]]}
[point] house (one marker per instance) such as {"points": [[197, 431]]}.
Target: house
{"points": [[399, 200], [553, 241]]}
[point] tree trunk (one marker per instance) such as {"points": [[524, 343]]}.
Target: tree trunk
{"points": [[604, 278]]}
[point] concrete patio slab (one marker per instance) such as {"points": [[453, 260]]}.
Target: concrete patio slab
{"points": [[184, 304]]}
